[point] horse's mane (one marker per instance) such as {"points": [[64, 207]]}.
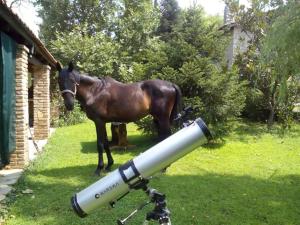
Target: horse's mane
{"points": [[92, 79]]}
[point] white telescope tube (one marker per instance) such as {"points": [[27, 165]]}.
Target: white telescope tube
{"points": [[119, 182]]}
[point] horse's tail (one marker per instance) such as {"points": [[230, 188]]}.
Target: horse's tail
{"points": [[177, 107]]}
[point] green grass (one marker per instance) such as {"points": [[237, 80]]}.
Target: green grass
{"points": [[253, 177]]}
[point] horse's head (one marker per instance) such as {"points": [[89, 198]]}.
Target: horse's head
{"points": [[68, 79]]}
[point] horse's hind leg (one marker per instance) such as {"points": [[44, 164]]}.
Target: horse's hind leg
{"points": [[164, 129], [156, 125]]}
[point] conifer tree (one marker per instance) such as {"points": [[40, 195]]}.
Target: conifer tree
{"points": [[169, 15]]}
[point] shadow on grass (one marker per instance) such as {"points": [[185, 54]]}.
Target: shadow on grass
{"points": [[245, 129], [140, 143], [80, 172], [215, 145], [193, 199], [249, 129]]}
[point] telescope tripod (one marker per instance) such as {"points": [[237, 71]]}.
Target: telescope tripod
{"points": [[160, 213]]}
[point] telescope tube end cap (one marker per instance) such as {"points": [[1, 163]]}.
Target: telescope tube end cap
{"points": [[204, 129], [77, 208]]}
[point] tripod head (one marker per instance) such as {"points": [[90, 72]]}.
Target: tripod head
{"points": [[160, 213]]}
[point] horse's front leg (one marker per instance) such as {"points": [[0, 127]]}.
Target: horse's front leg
{"points": [[99, 148], [102, 143], [110, 160]]}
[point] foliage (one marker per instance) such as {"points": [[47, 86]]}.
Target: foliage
{"points": [[258, 65], [93, 53], [64, 16], [281, 44], [287, 105], [170, 11], [249, 167], [260, 98], [111, 38], [130, 47], [147, 126], [195, 64], [216, 95], [65, 118], [195, 51], [151, 60], [121, 52]]}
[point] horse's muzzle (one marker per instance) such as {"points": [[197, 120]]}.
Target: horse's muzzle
{"points": [[69, 101], [69, 106]]}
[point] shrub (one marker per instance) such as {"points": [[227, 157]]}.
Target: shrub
{"points": [[68, 117]]}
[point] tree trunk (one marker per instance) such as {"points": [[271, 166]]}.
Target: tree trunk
{"points": [[123, 135], [272, 105], [271, 117], [119, 134], [114, 134]]}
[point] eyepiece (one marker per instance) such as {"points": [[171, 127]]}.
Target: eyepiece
{"points": [[204, 129], [77, 208]]}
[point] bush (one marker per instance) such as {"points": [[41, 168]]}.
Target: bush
{"points": [[146, 125], [216, 94], [66, 118]]}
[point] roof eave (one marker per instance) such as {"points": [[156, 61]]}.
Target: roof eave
{"points": [[16, 23]]}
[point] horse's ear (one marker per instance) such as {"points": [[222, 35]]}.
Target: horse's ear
{"points": [[71, 66], [58, 66]]}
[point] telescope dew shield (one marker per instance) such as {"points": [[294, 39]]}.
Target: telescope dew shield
{"points": [[117, 183]]}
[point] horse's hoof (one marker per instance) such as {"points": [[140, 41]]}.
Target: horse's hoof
{"points": [[97, 172], [108, 168]]}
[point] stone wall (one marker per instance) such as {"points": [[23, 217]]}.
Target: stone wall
{"points": [[20, 157], [239, 43]]}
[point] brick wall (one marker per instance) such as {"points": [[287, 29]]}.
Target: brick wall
{"points": [[20, 157], [41, 101]]}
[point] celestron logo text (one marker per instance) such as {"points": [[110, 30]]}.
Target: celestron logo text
{"points": [[98, 195]]}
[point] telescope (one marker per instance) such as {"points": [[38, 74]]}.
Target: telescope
{"points": [[135, 173]]}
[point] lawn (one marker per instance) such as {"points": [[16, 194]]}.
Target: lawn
{"points": [[253, 177]]}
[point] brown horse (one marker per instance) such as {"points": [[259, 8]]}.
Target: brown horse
{"points": [[107, 100]]}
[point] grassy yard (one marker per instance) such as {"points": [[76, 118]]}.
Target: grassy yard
{"points": [[251, 178]]}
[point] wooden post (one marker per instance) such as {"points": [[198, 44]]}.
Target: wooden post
{"points": [[119, 134]]}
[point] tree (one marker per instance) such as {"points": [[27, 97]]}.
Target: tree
{"points": [[281, 47], [94, 54], [128, 48], [196, 63], [104, 38], [263, 73], [15, 3], [65, 15], [134, 33], [169, 15], [281, 44]]}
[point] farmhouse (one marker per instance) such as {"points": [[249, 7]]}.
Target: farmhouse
{"points": [[25, 64]]}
